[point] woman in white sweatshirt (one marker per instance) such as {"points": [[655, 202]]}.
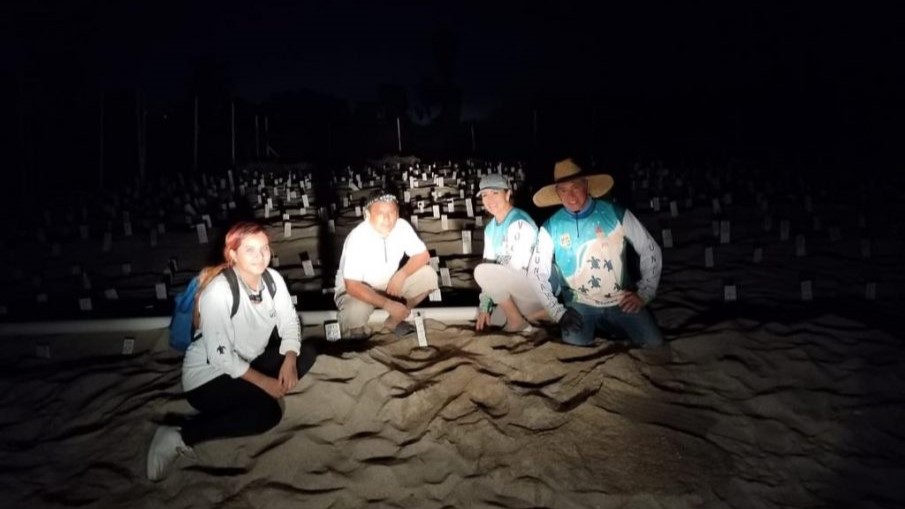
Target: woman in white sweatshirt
{"points": [[236, 372]]}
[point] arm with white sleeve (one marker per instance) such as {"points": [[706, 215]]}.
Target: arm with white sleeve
{"points": [[288, 324], [539, 274], [649, 252]]}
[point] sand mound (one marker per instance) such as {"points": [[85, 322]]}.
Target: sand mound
{"points": [[744, 414]]}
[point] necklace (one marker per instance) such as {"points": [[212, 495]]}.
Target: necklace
{"points": [[256, 296]]}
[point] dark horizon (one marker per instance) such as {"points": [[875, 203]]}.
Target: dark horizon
{"points": [[771, 86]]}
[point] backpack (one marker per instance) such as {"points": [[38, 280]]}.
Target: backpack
{"points": [[182, 328]]}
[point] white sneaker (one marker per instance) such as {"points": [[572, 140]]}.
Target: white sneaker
{"points": [[166, 446]]}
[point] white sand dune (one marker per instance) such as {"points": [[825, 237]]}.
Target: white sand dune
{"points": [[745, 414], [769, 401]]}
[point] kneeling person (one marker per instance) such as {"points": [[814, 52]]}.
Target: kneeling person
{"points": [[369, 275]]}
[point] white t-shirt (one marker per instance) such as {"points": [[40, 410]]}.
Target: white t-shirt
{"points": [[227, 345], [373, 259]]}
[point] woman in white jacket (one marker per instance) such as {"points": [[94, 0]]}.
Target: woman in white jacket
{"points": [[508, 296], [241, 366]]}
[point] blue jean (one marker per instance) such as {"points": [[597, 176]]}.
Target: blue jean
{"points": [[640, 327]]}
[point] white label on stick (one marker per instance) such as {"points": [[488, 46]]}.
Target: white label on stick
{"points": [[784, 229], [479, 221], [110, 294], [128, 346], [358, 211], [807, 291], [331, 225], [466, 242], [435, 296], [202, 233], [419, 328], [444, 222], [674, 209], [107, 242], [414, 221], [160, 289], [445, 279], [308, 268], [667, 237], [800, 247], [274, 261], [85, 304], [436, 211], [287, 230], [332, 330], [724, 231], [42, 350], [729, 293], [708, 257], [469, 208]]}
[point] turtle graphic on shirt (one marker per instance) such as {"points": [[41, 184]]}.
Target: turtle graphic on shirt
{"points": [[599, 265]]}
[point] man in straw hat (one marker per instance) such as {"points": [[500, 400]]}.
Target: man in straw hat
{"points": [[369, 274], [583, 246]]}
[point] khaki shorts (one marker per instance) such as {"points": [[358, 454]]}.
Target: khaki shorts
{"points": [[354, 313]]}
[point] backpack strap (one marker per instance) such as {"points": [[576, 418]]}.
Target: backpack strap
{"points": [[271, 284], [233, 281]]}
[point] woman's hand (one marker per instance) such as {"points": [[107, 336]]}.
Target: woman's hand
{"points": [[482, 321], [288, 376]]}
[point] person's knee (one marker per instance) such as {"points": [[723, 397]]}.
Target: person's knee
{"points": [[583, 337], [265, 416], [482, 275]]}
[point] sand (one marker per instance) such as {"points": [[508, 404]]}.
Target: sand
{"points": [[768, 401]]}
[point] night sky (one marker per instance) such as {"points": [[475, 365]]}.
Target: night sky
{"points": [[817, 69]]}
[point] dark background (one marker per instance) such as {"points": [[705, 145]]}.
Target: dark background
{"points": [[814, 89]]}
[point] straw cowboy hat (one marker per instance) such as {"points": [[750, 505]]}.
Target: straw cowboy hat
{"points": [[565, 170]]}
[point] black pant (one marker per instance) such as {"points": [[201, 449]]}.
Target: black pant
{"points": [[233, 407]]}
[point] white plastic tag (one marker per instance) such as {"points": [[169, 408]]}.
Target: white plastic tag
{"points": [[202, 233], [419, 329]]}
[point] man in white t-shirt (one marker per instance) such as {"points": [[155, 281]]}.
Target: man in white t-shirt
{"points": [[369, 274]]}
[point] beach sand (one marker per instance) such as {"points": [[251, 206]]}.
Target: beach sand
{"points": [[767, 401]]}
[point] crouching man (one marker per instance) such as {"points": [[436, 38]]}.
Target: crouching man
{"points": [[369, 274]]}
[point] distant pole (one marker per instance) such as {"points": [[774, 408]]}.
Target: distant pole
{"points": [[232, 129], [257, 140], [100, 135], [473, 143], [195, 142], [399, 135]]}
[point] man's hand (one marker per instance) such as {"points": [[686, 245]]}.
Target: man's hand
{"points": [[289, 375], [571, 320], [631, 302], [394, 287], [482, 321], [398, 312]]}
